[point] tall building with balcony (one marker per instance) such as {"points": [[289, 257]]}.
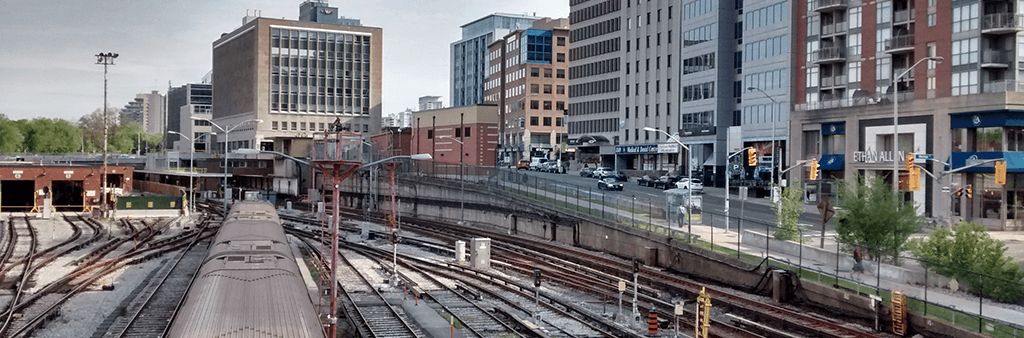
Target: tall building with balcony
{"points": [[147, 110], [469, 54], [297, 77], [527, 79], [855, 69]]}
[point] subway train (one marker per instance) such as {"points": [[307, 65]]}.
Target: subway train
{"points": [[249, 285]]}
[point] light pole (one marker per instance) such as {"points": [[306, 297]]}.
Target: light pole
{"points": [[774, 155], [689, 178], [727, 167], [191, 170], [896, 123], [226, 132], [462, 179], [105, 59]]}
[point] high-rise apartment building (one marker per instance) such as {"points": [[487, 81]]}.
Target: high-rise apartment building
{"points": [[859, 66], [469, 54], [430, 102], [682, 67], [527, 78], [147, 110], [297, 77], [193, 99]]}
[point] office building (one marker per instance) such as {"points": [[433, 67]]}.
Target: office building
{"points": [[193, 99], [430, 102], [855, 69], [527, 79], [469, 54], [297, 77]]}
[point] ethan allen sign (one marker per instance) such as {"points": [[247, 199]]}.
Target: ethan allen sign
{"points": [[875, 156]]}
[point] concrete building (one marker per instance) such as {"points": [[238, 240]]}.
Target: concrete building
{"points": [[965, 109], [194, 99], [682, 67], [469, 54], [475, 126], [430, 102], [527, 79], [147, 110], [297, 77]]}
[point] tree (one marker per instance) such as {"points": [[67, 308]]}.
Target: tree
{"points": [[969, 254], [11, 138], [789, 213], [51, 136], [92, 127], [124, 138], [871, 216]]}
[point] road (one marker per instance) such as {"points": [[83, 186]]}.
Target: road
{"points": [[713, 201]]}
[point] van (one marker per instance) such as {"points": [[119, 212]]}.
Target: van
{"points": [[535, 163]]}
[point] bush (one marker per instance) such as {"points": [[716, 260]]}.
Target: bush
{"points": [[970, 255]]}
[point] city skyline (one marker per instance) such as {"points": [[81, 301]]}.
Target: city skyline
{"points": [[58, 78]]}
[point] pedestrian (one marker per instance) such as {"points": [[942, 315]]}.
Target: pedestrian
{"points": [[857, 257]]}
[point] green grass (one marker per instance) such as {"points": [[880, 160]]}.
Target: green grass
{"points": [[447, 318]]}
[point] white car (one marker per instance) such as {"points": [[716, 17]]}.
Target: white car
{"points": [[684, 183]]}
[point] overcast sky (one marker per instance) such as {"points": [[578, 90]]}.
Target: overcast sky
{"points": [[48, 68]]}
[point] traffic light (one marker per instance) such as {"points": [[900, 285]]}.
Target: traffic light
{"points": [[970, 193], [914, 183], [814, 170], [751, 157], [1000, 172], [636, 267], [910, 162], [536, 278]]}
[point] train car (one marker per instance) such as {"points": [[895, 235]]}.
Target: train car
{"points": [[249, 285]]}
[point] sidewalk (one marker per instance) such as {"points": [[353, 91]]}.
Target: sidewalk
{"points": [[959, 301]]}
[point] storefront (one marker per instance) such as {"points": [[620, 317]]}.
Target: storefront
{"points": [[989, 135], [648, 157]]}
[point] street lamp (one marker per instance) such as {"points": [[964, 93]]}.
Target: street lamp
{"points": [[896, 122], [226, 132], [462, 179], [191, 170], [774, 155], [105, 59], [689, 177]]}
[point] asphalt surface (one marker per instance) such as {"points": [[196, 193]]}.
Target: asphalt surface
{"points": [[755, 212]]}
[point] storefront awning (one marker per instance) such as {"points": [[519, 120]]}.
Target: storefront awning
{"points": [[710, 161], [832, 162]]}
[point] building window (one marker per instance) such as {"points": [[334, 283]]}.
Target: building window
{"points": [[534, 104], [534, 88], [560, 73], [302, 126], [560, 57], [558, 122], [883, 68], [273, 125], [547, 105], [547, 121], [855, 17], [853, 74], [466, 132], [547, 89], [534, 120], [931, 20], [458, 132], [854, 46], [965, 51], [560, 105], [295, 126], [965, 18], [965, 83], [534, 72], [883, 11], [561, 41], [430, 134], [560, 90], [547, 72]]}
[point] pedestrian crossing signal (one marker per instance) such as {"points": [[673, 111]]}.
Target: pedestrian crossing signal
{"points": [[751, 157]]}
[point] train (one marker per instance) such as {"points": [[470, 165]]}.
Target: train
{"points": [[249, 284]]}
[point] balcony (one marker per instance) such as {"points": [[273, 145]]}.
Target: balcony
{"points": [[831, 55], [906, 15], [838, 28], [1003, 86], [900, 44], [833, 81], [996, 59], [1002, 23], [825, 6]]}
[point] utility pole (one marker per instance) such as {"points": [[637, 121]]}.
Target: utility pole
{"points": [[105, 59]]}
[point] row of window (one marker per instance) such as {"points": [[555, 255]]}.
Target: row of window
{"points": [[698, 91], [594, 88], [536, 121], [647, 64], [765, 16], [319, 103], [587, 13], [647, 87], [657, 41], [965, 18], [536, 89], [696, 120], [771, 79], [766, 48], [698, 7], [594, 49], [313, 126], [762, 113], [594, 107], [700, 34], [547, 105], [597, 29], [647, 110], [698, 63], [594, 68], [594, 126], [535, 72], [458, 132]]}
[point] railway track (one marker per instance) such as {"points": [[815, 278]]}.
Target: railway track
{"points": [[22, 244]]}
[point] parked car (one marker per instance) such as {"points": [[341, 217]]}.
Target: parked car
{"points": [[536, 162], [523, 165], [600, 171], [586, 172], [684, 183], [617, 175], [646, 181], [664, 182], [609, 184]]}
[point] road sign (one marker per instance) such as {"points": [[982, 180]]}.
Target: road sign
{"points": [[945, 189], [925, 157], [622, 286]]}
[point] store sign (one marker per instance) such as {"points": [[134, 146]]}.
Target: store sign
{"points": [[875, 156], [668, 148]]}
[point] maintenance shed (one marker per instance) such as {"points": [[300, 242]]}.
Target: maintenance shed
{"points": [[25, 186]]}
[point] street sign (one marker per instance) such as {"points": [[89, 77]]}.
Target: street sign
{"points": [[743, 193], [622, 286], [925, 157], [945, 189]]}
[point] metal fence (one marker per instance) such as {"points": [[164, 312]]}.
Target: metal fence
{"points": [[651, 214]]}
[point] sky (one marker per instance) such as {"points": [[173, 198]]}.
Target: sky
{"points": [[47, 48]]}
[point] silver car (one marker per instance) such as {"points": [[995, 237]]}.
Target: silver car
{"points": [[697, 185]]}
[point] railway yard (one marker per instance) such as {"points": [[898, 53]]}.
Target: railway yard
{"points": [[75, 276]]}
